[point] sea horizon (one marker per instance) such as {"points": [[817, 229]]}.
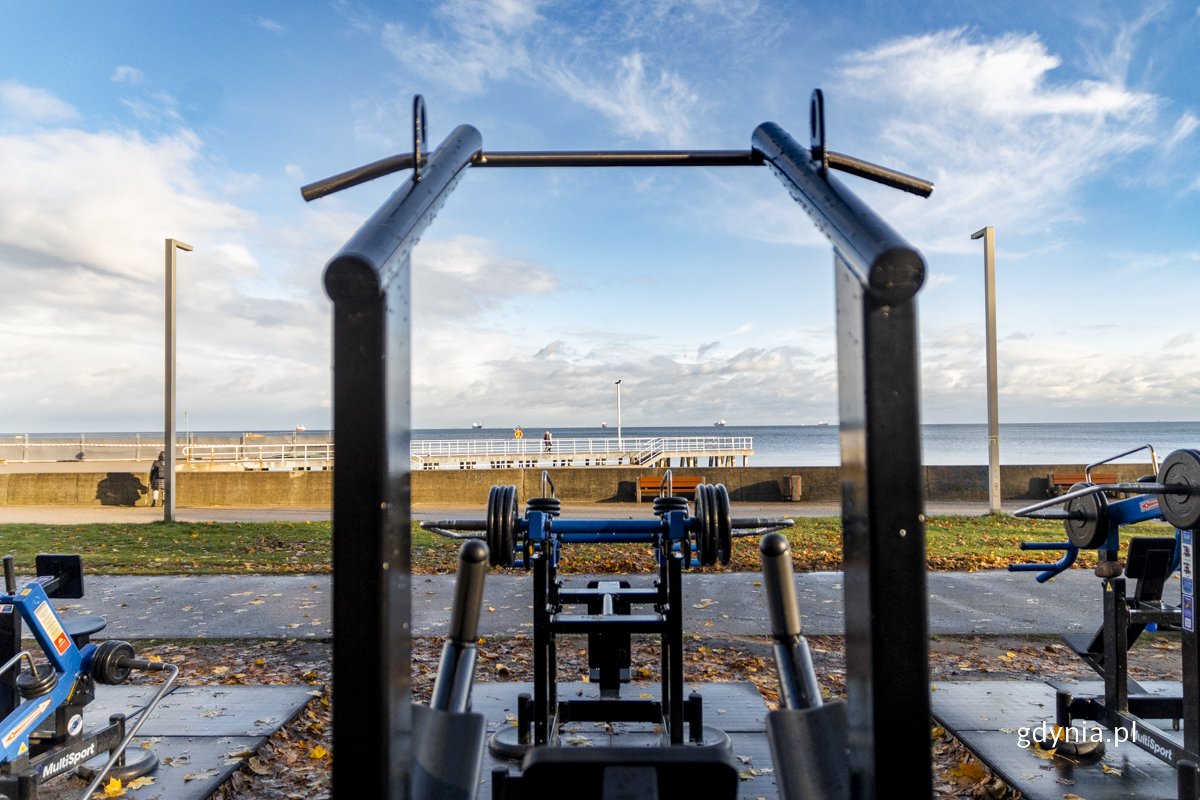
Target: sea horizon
{"points": [[778, 445]]}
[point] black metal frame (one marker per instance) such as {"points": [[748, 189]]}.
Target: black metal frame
{"points": [[878, 275]]}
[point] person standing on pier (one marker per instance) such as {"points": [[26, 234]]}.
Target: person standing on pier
{"points": [[548, 440], [157, 479]]}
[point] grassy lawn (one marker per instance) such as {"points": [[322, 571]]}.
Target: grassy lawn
{"points": [[281, 548]]}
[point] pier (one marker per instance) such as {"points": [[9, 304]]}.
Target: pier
{"points": [[286, 452], [609, 451]]}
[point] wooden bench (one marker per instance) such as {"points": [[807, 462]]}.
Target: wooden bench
{"points": [[1062, 481], [681, 485]]}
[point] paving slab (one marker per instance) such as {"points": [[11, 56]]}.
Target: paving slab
{"points": [[201, 734], [987, 717], [736, 708]]}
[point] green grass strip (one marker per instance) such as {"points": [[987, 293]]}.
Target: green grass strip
{"points": [[285, 548]]}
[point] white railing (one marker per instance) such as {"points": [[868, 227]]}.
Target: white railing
{"points": [[256, 453], [424, 453], [610, 445]]}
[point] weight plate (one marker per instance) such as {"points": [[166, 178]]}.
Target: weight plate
{"points": [[1181, 510], [708, 545], [699, 526], [724, 525], [1091, 531], [492, 535], [508, 526]]}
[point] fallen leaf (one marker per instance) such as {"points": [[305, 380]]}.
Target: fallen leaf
{"points": [[138, 783], [113, 789], [200, 775], [318, 752]]}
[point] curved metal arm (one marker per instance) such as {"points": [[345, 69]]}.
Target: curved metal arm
{"points": [[547, 481], [1047, 571], [758, 526], [1087, 471]]}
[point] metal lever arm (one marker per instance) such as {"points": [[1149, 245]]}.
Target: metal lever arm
{"points": [[452, 687], [798, 686]]}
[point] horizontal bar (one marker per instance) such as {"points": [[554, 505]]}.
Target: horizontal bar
{"points": [[873, 172], [545, 158], [620, 158]]}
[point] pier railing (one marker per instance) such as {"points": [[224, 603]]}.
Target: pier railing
{"points": [[654, 446]]}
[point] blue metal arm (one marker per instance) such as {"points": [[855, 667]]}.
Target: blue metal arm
{"points": [[1047, 571], [65, 658]]}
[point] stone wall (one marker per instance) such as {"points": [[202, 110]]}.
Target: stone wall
{"points": [[470, 487]]}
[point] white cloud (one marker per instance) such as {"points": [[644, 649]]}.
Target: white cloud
{"points": [[271, 25], [484, 44], [127, 74], [83, 216], [29, 104], [1002, 138], [659, 107]]}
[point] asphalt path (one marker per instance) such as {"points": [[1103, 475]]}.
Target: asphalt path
{"points": [[720, 604]]}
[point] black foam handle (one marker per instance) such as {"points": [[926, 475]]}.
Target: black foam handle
{"points": [[776, 555], [468, 591]]}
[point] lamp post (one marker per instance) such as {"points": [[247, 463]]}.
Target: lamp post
{"points": [[169, 389], [619, 445], [988, 235]]}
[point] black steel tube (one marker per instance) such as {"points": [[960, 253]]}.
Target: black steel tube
{"points": [[620, 158], [368, 281], [887, 266], [547, 158], [874, 172], [356, 176]]}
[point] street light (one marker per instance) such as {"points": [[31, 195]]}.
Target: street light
{"points": [[988, 235], [169, 390], [619, 445]]}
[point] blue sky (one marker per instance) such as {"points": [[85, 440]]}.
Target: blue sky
{"points": [[1070, 127]]}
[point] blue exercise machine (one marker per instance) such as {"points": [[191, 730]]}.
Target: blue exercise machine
{"points": [[42, 733]]}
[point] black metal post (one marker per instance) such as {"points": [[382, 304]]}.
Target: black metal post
{"points": [[368, 281], [877, 276]]}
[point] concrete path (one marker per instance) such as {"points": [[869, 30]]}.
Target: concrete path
{"points": [[729, 604]]}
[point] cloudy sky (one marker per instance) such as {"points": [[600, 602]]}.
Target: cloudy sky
{"points": [[1070, 127]]}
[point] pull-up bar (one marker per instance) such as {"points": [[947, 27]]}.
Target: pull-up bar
{"points": [[623, 158]]}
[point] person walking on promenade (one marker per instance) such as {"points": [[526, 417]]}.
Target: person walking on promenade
{"points": [[548, 439], [158, 480]]}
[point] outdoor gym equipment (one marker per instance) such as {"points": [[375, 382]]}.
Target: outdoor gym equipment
{"points": [[536, 542], [1092, 521], [43, 736], [808, 736], [448, 738], [877, 276]]}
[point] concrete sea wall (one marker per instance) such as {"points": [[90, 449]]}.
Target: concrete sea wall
{"points": [[470, 487]]}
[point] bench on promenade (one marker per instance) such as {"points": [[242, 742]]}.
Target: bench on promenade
{"points": [[681, 485], [1061, 481]]}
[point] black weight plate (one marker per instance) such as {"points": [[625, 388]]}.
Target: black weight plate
{"points": [[708, 547], [508, 526], [1181, 510], [492, 535], [700, 523], [1092, 531], [724, 525]]}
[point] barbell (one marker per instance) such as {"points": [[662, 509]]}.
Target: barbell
{"points": [[1085, 512], [709, 532]]}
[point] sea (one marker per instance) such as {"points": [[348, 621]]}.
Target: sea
{"points": [[785, 445]]}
